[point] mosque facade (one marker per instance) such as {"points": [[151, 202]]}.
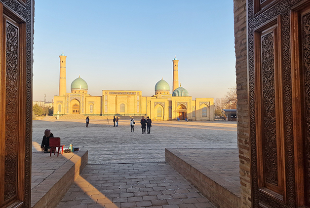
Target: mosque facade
{"points": [[163, 105]]}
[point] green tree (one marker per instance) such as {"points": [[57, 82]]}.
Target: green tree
{"points": [[218, 112], [38, 111]]}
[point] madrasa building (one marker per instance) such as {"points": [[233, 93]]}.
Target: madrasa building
{"points": [[163, 105]]}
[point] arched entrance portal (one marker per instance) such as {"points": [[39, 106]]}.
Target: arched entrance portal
{"points": [[182, 112], [75, 107], [159, 112]]}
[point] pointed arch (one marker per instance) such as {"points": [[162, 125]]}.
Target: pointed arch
{"points": [[204, 111], [122, 108], [159, 112], [75, 106]]}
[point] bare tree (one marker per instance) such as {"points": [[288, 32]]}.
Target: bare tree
{"points": [[219, 106], [231, 99]]}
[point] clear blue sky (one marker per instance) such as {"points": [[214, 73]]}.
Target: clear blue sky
{"points": [[129, 45]]}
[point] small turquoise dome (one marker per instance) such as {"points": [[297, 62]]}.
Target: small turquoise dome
{"points": [[162, 85], [62, 54], [79, 84], [180, 92]]}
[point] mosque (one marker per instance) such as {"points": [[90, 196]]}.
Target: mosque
{"points": [[161, 106]]}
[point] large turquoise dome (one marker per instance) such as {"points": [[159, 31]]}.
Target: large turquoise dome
{"points": [[162, 85], [180, 92], [79, 84]]}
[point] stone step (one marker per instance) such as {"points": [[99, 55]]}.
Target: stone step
{"points": [[215, 173], [52, 176]]}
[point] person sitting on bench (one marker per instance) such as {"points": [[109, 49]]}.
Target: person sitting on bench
{"points": [[45, 141]]}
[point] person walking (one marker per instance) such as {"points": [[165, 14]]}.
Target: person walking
{"points": [[114, 121], [87, 121], [149, 125], [143, 124], [132, 125]]}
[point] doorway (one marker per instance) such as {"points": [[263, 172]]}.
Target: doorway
{"points": [[182, 115], [182, 112], [75, 107]]}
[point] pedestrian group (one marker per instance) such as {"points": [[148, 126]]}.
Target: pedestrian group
{"points": [[146, 124]]}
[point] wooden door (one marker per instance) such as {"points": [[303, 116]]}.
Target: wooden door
{"points": [[181, 115], [16, 27], [279, 102]]}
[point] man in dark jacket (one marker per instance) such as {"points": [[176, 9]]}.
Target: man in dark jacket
{"points": [[143, 124], [149, 125], [87, 121]]}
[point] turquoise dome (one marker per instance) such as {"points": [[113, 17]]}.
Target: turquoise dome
{"points": [[162, 85], [180, 92], [79, 84]]}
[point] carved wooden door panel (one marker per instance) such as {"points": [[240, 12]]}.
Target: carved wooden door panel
{"points": [[15, 102], [279, 102]]}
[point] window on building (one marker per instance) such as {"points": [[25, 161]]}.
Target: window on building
{"points": [[91, 108], [122, 108], [59, 108], [204, 112], [159, 112]]}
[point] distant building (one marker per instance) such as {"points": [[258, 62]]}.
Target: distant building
{"points": [[43, 104], [231, 114], [161, 106]]}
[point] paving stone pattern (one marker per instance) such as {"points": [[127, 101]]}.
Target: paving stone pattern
{"points": [[108, 144], [207, 159], [214, 172], [133, 185], [39, 174], [128, 169]]}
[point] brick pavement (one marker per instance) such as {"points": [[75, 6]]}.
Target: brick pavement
{"points": [[226, 173], [133, 185], [215, 172], [52, 176], [108, 144], [127, 169]]}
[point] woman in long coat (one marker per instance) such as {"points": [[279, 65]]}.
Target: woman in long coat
{"points": [[45, 145]]}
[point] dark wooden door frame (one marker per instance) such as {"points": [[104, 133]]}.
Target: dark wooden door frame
{"points": [[16, 44], [276, 27]]}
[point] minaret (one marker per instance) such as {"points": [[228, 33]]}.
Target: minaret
{"points": [[62, 77], [175, 73]]}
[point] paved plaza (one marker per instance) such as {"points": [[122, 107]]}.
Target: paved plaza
{"points": [[128, 169], [108, 144]]}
